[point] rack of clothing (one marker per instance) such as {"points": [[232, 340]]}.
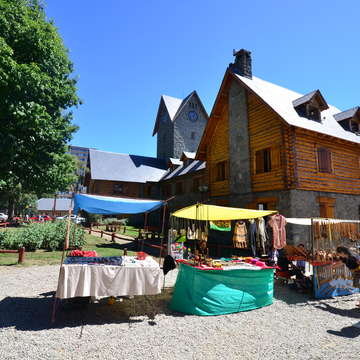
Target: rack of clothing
{"points": [[258, 231]]}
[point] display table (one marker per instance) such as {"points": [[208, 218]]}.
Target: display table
{"points": [[216, 292], [331, 280], [132, 277]]}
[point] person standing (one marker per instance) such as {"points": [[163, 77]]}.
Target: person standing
{"points": [[352, 262]]}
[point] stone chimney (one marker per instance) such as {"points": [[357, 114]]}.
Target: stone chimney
{"points": [[242, 64]]}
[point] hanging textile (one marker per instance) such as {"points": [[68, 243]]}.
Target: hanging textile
{"points": [[261, 235], [191, 233], [252, 236], [240, 235], [277, 223], [220, 225]]}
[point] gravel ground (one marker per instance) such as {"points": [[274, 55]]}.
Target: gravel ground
{"points": [[294, 327]]}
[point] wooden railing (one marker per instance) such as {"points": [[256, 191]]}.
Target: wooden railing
{"points": [[20, 251], [140, 239]]}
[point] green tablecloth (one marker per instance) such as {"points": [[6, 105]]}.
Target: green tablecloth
{"points": [[216, 292]]}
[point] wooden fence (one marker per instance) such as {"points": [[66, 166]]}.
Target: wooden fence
{"points": [[20, 251]]}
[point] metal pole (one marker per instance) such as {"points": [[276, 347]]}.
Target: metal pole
{"points": [[163, 232]]}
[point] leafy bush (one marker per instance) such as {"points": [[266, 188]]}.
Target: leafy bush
{"points": [[48, 236], [91, 218]]}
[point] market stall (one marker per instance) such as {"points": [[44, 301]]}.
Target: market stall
{"points": [[109, 276], [206, 286], [331, 278]]}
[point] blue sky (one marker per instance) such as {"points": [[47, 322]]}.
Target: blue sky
{"points": [[127, 53]]}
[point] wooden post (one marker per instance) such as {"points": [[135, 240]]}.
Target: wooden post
{"points": [[113, 237], [90, 230], [163, 232], [66, 245], [125, 251], [146, 222], [21, 255], [101, 233], [54, 208]]}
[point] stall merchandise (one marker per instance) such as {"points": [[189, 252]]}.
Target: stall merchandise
{"points": [[207, 286], [104, 277], [331, 278], [249, 232], [100, 277]]}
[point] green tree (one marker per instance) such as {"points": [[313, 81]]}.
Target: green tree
{"points": [[37, 91]]}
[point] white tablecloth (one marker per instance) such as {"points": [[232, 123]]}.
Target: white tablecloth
{"points": [[139, 278]]}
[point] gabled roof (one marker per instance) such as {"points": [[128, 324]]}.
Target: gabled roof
{"points": [[174, 107], [348, 114], [187, 155], [280, 100], [47, 204], [316, 94], [173, 161], [183, 169], [124, 167]]}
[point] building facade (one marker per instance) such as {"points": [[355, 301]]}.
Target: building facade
{"points": [[185, 181], [179, 125], [115, 174], [271, 148]]}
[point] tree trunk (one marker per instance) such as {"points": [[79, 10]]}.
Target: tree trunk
{"points": [[11, 208]]}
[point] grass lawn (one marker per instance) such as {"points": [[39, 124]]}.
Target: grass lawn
{"points": [[42, 257]]}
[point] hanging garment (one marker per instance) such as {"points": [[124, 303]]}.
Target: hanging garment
{"points": [[262, 235], [191, 233], [220, 225], [169, 264], [240, 235], [252, 237], [277, 223]]}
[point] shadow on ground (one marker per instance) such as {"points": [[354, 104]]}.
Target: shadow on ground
{"points": [[290, 296], [34, 314], [349, 332]]}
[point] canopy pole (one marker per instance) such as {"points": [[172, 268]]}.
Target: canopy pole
{"points": [[162, 232], [66, 246]]}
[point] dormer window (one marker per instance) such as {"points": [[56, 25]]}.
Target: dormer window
{"points": [[349, 119], [311, 105], [354, 126], [314, 113]]}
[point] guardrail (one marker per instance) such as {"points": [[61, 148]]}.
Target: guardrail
{"points": [[20, 251]]}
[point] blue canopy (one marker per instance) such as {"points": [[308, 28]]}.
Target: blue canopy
{"points": [[107, 205]]}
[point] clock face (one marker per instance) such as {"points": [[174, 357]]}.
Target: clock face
{"points": [[192, 115]]}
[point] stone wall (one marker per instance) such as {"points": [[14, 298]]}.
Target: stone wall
{"points": [[302, 204], [240, 179], [165, 136], [187, 134]]}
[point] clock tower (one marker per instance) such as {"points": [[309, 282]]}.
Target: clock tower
{"points": [[179, 125]]}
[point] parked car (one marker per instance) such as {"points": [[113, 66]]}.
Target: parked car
{"points": [[40, 218], [74, 218], [3, 217]]}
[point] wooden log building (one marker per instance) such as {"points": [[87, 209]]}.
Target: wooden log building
{"points": [[268, 147]]}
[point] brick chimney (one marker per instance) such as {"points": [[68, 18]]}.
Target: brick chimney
{"points": [[242, 64]]}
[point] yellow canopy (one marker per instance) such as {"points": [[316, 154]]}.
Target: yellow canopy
{"points": [[214, 212]]}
